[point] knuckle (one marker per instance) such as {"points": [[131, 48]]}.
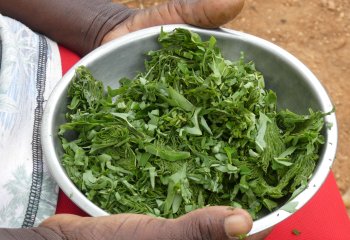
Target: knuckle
{"points": [[201, 229]]}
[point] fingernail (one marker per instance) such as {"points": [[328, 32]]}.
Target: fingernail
{"points": [[236, 225]]}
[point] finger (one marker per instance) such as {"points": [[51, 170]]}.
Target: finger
{"points": [[214, 223], [207, 223], [113, 227], [202, 13], [207, 13]]}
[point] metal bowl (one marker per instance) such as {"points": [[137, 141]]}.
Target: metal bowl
{"points": [[298, 90]]}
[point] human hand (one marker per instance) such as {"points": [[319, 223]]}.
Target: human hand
{"points": [[201, 13], [210, 223]]}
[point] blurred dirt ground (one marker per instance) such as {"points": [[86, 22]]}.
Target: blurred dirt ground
{"points": [[318, 33]]}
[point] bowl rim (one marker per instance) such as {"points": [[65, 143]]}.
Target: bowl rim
{"points": [[271, 219]]}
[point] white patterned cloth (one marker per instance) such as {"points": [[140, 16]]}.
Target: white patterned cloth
{"points": [[30, 68]]}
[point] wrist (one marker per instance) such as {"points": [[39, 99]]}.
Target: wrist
{"points": [[118, 27], [111, 16]]}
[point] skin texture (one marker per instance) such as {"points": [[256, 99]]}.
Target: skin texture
{"points": [[82, 25], [214, 223], [202, 13]]}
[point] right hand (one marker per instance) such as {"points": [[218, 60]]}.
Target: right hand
{"points": [[212, 223], [200, 13]]}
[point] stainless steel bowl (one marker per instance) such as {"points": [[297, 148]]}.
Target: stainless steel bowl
{"points": [[297, 88]]}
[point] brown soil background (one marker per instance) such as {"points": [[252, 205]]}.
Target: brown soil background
{"points": [[318, 33]]}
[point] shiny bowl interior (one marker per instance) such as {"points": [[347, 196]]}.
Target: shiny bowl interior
{"points": [[296, 87]]}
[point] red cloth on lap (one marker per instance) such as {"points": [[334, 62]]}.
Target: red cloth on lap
{"points": [[322, 218]]}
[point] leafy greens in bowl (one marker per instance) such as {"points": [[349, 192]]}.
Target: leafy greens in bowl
{"points": [[193, 129]]}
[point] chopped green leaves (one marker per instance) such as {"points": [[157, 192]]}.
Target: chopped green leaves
{"points": [[296, 232], [193, 130], [290, 207], [166, 153]]}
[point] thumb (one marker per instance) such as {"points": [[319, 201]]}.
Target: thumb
{"points": [[213, 223]]}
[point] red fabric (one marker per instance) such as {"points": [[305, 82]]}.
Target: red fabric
{"points": [[322, 218], [68, 59]]}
